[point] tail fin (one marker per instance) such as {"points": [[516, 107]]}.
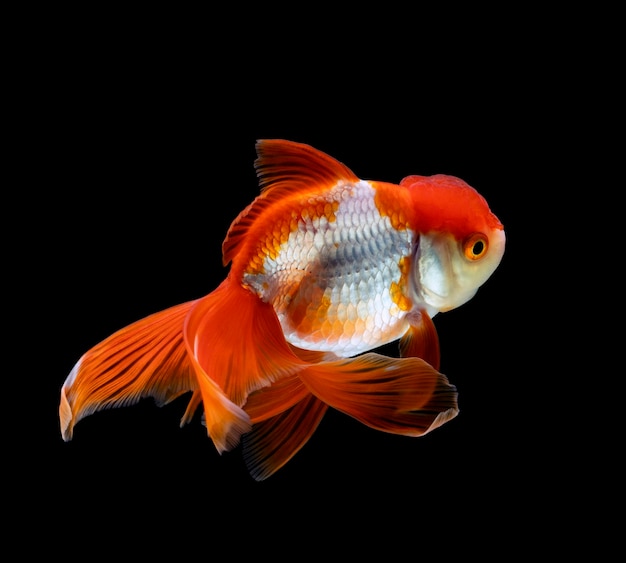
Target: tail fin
{"points": [[145, 359], [276, 438], [222, 347], [398, 395], [237, 346], [284, 416]]}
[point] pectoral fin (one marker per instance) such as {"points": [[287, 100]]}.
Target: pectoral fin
{"points": [[421, 340]]}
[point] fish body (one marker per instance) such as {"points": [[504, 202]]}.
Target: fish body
{"points": [[325, 267], [329, 278]]}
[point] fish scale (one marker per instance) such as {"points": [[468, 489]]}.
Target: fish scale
{"points": [[331, 280]]}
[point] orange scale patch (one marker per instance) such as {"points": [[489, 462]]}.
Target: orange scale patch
{"points": [[360, 327], [348, 328], [392, 201], [308, 308], [337, 329], [271, 245], [256, 264], [398, 290], [327, 209]]}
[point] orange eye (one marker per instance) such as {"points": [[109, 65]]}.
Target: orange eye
{"points": [[475, 246]]}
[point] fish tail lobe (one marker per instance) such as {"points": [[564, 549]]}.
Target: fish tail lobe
{"points": [[236, 345], [145, 359], [284, 416], [404, 396]]}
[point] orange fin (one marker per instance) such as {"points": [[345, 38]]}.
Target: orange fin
{"points": [[399, 395], [313, 356], [287, 164], [237, 347], [275, 399], [225, 421], [284, 416], [145, 359], [274, 441], [421, 340], [194, 403], [284, 168]]}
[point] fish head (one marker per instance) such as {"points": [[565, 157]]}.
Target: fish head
{"points": [[459, 244], [448, 272]]}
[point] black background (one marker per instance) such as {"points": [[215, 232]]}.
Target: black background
{"points": [[147, 133]]}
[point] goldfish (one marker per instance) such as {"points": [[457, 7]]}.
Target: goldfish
{"points": [[324, 268]]}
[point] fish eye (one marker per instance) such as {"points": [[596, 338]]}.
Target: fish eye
{"points": [[475, 246]]}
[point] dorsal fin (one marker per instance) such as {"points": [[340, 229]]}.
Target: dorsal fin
{"points": [[291, 165], [285, 169]]}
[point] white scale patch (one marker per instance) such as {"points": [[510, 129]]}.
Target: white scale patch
{"points": [[352, 262]]}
